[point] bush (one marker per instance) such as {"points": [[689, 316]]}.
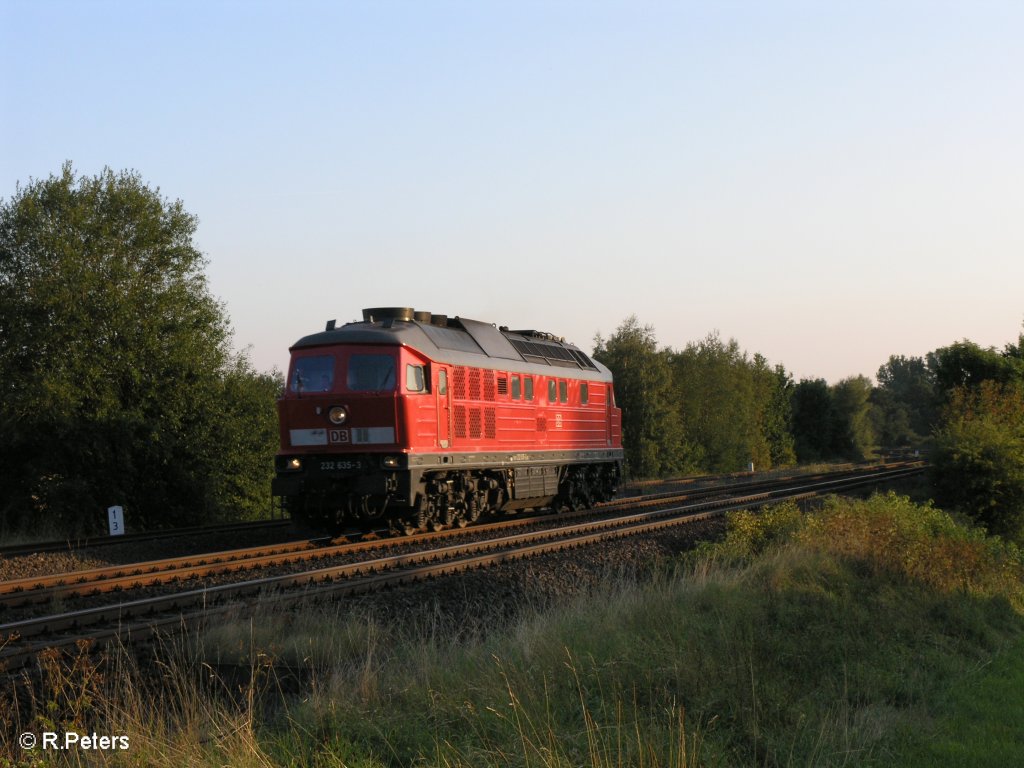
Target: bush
{"points": [[978, 461]]}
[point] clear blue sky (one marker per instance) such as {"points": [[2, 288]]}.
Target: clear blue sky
{"points": [[827, 182]]}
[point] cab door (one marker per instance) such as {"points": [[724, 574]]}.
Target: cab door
{"points": [[444, 407]]}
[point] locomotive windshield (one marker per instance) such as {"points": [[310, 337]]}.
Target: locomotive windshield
{"points": [[313, 374], [371, 373]]}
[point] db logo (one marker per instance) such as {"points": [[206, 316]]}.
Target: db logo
{"points": [[338, 435]]}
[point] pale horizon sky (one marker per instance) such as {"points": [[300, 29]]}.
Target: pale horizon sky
{"points": [[827, 183]]}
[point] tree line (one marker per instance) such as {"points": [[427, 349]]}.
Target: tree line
{"points": [[711, 407]]}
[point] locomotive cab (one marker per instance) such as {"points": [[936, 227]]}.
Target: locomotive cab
{"points": [[343, 425]]}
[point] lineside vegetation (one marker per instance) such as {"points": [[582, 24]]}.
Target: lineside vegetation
{"points": [[859, 634]]}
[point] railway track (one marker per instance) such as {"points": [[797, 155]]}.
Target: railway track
{"points": [[631, 490], [37, 590], [421, 558]]}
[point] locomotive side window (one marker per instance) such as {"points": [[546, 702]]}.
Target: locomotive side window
{"points": [[528, 383], [371, 373], [516, 388], [313, 374], [442, 382], [584, 393], [414, 381], [552, 391], [563, 391]]}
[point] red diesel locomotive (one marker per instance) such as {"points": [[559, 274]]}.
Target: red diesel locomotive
{"points": [[428, 422]]}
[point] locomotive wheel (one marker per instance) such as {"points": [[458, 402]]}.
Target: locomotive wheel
{"points": [[574, 492], [562, 504], [589, 488], [572, 497], [470, 514], [583, 495], [418, 520]]}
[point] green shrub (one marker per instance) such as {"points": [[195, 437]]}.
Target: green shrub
{"points": [[919, 542], [978, 461]]}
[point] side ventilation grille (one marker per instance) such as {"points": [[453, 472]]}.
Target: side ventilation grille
{"points": [[459, 383]]}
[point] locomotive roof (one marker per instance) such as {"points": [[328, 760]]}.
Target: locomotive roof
{"points": [[461, 341]]}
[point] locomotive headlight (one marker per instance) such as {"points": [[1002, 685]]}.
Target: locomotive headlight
{"points": [[337, 414], [391, 462], [295, 463]]}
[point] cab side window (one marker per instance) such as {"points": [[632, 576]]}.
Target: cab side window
{"points": [[563, 391], [516, 387], [414, 380]]}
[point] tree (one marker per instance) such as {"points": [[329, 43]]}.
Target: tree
{"points": [[966, 364], [776, 398], [736, 409], [715, 399], [852, 431], [906, 400], [813, 420], [118, 382], [1015, 352], [978, 459], [652, 435]]}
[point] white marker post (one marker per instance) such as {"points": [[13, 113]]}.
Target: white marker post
{"points": [[115, 515]]}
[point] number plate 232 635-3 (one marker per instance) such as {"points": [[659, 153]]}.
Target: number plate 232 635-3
{"points": [[335, 466]]}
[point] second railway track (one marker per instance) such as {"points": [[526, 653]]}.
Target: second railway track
{"points": [[91, 542]]}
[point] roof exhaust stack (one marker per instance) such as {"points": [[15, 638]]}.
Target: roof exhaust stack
{"points": [[378, 314]]}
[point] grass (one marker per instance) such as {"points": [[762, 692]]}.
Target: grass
{"points": [[872, 632], [979, 722], [44, 531]]}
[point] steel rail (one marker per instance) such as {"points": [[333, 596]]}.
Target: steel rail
{"points": [[769, 482]]}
